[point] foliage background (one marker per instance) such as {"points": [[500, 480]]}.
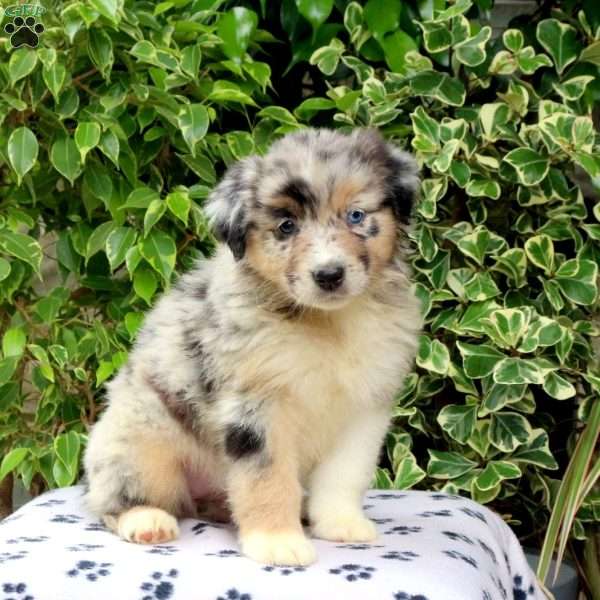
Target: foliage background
{"points": [[115, 128]]}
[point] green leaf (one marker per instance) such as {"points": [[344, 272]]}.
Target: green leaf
{"points": [[495, 472], [12, 460], [4, 269], [458, 421], [328, 57], [481, 242], [481, 287], [396, 46], [109, 145], [107, 8], [118, 242], [479, 360], [100, 50], [145, 284], [408, 473], [540, 251], [236, 28], [193, 122], [448, 465], [65, 158], [499, 395], [440, 86], [514, 371], [21, 63], [23, 247], [159, 250], [591, 54], [508, 430], [507, 326], [531, 167], [54, 76], [22, 151], [67, 447], [155, 211], [433, 355], [97, 240], [536, 451], [471, 52], [87, 136], [315, 11], [191, 57], [179, 204], [560, 41], [512, 39], [577, 280], [558, 387], [13, 342], [479, 186], [7, 368]]}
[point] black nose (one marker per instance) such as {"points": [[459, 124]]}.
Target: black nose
{"points": [[329, 278]]}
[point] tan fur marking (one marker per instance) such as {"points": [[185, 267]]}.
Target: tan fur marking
{"points": [[343, 194], [383, 245]]}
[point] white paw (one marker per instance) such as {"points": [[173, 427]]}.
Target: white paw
{"points": [[345, 528], [279, 548], [147, 525]]}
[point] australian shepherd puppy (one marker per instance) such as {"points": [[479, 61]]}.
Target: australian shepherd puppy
{"points": [[264, 380]]}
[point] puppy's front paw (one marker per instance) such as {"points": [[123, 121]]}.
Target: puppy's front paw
{"points": [[287, 548], [147, 525], [345, 528]]}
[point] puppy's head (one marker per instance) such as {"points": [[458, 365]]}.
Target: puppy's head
{"points": [[319, 215]]}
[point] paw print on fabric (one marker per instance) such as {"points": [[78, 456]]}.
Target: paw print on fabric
{"points": [[28, 540], [435, 513], [161, 587], [473, 513], [403, 530], [458, 536], [96, 526], [24, 32], [353, 572], [226, 553], [460, 556], [486, 595], [91, 570], [368, 506], [405, 596], [51, 502], [233, 594], [6, 556], [499, 586], [521, 591], [17, 591], [384, 496], [445, 497], [404, 555], [382, 521], [163, 550], [359, 546], [84, 547], [66, 519], [488, 551], [283, 570], [202, 526]]}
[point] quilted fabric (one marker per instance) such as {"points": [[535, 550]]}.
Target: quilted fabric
{"points": [[431, 547]]}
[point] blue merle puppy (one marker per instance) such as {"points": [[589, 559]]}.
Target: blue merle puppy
{"points": [[266, 376]]}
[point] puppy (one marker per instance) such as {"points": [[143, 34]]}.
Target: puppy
{"points": [[268, 372]]}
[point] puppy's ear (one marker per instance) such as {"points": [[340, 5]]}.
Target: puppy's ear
{"points": [[398, 169], [230, 204], [402, 183]]}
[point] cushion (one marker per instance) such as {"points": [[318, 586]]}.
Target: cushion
{"points": [[431, 546]]}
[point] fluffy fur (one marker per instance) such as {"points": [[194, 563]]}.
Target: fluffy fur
{"points": [[265, 378]]}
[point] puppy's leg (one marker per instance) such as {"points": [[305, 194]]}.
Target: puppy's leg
{"points": [[265, 495], [338, 483]]}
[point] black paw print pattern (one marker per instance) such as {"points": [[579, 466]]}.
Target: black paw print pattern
{"points": [[283, 570], [458, 536], [24, 32], [359, 546], [403, 530], [367, 506], [84, 547], [6, 556], [460, 556], [486, 595], [96, 526], [202, 526], [28, 540], [520, 590], [404, 555], [227, 553], [234, 594], [66, 519], [473, 513], [353, 572], [17, 591], [89, 569], [445, 497], [384, 496], [161, 587], [163, 550], [51, 502], [488, 551], [382, 521], [405, 596], [435, 513], [499, 586]]}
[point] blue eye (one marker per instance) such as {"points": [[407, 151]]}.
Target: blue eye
{"points": [[355, 217], [287, 227]]}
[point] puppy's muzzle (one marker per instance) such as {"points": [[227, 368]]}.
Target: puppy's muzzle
{"points": [[330, 277]]}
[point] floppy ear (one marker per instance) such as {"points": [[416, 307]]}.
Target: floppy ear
{"points": [[230, 203], [402, 182]]}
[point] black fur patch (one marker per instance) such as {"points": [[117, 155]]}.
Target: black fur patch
{"points": [[242, 441], [373, 228], [300, 192]]}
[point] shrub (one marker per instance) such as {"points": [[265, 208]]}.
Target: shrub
{"points": [[115, 130]]}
